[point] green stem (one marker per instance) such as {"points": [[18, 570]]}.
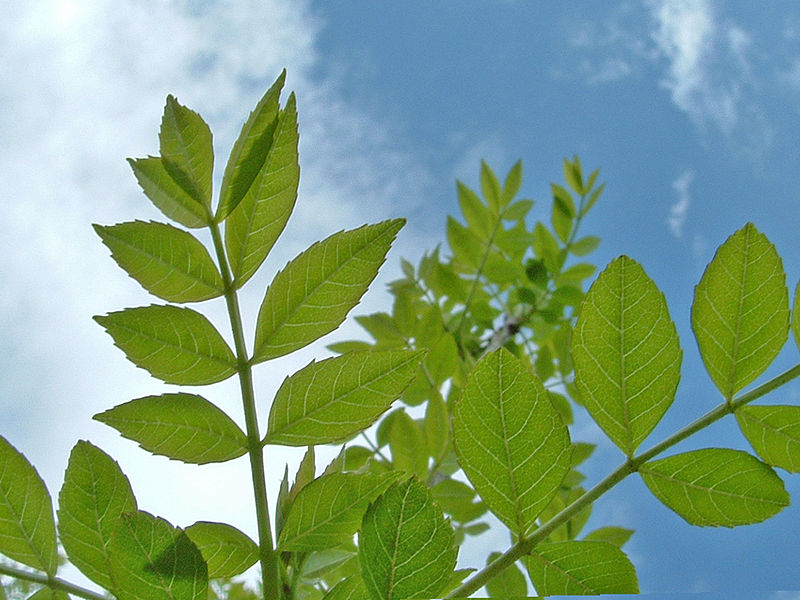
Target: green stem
{"points": [[55, 583], [270, 574]]}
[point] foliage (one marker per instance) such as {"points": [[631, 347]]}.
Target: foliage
{"points": [[489, 346]]}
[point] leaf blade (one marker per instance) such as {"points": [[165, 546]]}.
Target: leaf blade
{"points": [[774, 433], [226, 550], [170, 198]]}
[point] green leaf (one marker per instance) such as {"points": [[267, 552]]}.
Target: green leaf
{"points": [[477, 215], [46, 593], [405, 545], [352, 588], [572, 175], [437, 425], [328, 511], [796, 316], [166, 261], [518, 210], [169, 197], [330, 400], [510, 583], [456, 498], [561, 219], [740, 313], [152, 559], [626, 352], [510, 441], [250, 150], [581, 568], [305, 473], [774, 433], [180, 426], [593, 197], [716, 487], [585, 245], [613, 535], [407, 443], [442, 360], [546, 248], [511, 186], [464, 243], [176, 345], [227, 551], [252, 229], [27, 528], [94, 495], [314, 292]]}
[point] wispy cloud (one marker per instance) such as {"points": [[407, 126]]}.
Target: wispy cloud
{"points": [[680, 208]]}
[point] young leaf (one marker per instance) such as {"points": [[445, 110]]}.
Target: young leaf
{"points": [[405, 546], [464, 243], [477, 215], [437, 425], [774, 433], [740, 314], [305, 473], [585, 245], [27, 528], [716, 487], [490, 188], [314, 292], [457, 500], [613, 535], [169, 197], [255, 225], [352, 588], [94, 495], [510, 583], [180, 426], [510, 441], [166, 261], [572, 175], [796, 316], [177, 345], [626, 352], [152, 559], [330, 400], [328, 511], [227, 551], [407, 443], [512, 184], [581, 568]]}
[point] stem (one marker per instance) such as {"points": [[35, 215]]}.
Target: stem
{"points": [[55, 583], [270, 574]]}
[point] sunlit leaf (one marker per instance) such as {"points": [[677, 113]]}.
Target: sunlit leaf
{"points": [[475, 212], [585, 245], [45, 593], [612, 534], [457, 499], [490, 188], [352, 588], [774, 433], [437, 425], [407, 443], [464, 243], [170, 198], [796, 316], [510, 583], [512, 184], [226, 550]]}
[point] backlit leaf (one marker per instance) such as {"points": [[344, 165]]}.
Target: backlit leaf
{"points": [[740, 313], [585, 245], [314, 292], [477, 215], [510, 441], [512, 184], [180, 426], [510, 583], [227, 551], [437, 425], [464, 243], [774, 433], [407, 443], [457, 499], [352, 588], [177, 345], [716, 487], [626, 352], [796, 316], [613, 535], [170, 198], [45, 593]]}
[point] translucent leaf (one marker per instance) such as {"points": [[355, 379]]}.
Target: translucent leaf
{"points": [[443, 359], [152, 559], [510, 583], [490, 188], [437, 425], [27, 528], [169, 197], [328, 511], [477, 215], [330, 400], [465, 244], [740, 313], [457, 499], [252, 229], [585, 245], [796, 316], [518, 210], [716, 487], [180, 426], [305, 473], [626, 352], [166, 261], [512, 184], [312, 295], [546, 248], [593, 197], [613, 535], [352, 588], [177, 345], [774, 433], [227, 551], [561, 219], [94, 495], [572, 175], [581, 568], [45, 593], [510, 441], [407, 443], [405, 545]]}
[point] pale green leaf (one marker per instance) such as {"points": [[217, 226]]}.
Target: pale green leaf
{"points": [[573, 176], [585, 245], [176, 345], [465, 244], [305, 473], [510, 583], [457, 499], [180, 426], [46, 593], [740, 314], [612, 534], [312, 295], [166, 261], [170, 198], [352, 588], [94, 495], [330, 563], [437, 425], [475, 212], [626, 352], [716, 487], [407, 443], [546, 248], [593, 197], [330, 400], [796, 316], [227, 551], [774, 433], [27, 528], [490, 188], [512, 184], [510, 441], [443, 359], [405, 545], [518, 210]]}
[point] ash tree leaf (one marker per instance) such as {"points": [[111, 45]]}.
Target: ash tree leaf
{"points": [[180, 426], [406, 546], [152, 559], [314, 292], [512, 183], [510, 583], [475, 213], [169, 197], [176, 345], [352, 588], [407, 443], [456, 499], [254, 226], [464, 243], [330, 400], [796, 316], [716, 487], [27, 528], [227, 551], [612, 534], [774, 433], [166, 261], [490, 188], [740, 313], [581, 568], [328, 511], [510, 441], [437, 425], [94, 495], [626, 353]]}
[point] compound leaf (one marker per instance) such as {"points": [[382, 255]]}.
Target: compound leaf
{"points": [[180, 426], [510, 583], [740, 313], [227, 551], [169, 197], [774, 433]]}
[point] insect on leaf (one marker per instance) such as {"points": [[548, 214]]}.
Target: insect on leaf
{"points": [[774, 433], [227, 551]]}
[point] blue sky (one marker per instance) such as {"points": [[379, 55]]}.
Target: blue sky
{"points": [[689, 107]]}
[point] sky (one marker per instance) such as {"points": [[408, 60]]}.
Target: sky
{"points": [[690, 108]]}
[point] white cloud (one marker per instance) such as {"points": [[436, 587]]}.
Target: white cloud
{"points": [[680, 209]]}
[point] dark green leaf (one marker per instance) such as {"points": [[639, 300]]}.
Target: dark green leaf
{"points": [[510, 583], [227, 551], [774, 433], [166, 194]]}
